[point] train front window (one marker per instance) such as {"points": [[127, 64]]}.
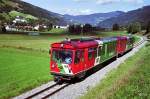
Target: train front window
{"points": [[62, 56]]}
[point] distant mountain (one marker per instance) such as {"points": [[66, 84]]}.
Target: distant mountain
{"points": [[7, 6], [141, 15], [92, 18]]}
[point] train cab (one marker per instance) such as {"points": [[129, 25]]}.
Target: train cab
{"points": [[71, 58]]}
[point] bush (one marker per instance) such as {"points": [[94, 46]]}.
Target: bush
{"points": [[87, 28], [148, 28], [77, 29], [115, 27], [0, 25]]}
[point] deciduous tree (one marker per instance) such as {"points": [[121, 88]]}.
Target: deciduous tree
{"points": [[115, 27], [134, 27], [148, 28], [87, 28]]}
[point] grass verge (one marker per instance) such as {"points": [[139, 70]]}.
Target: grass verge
{"points": [[130, 80]]}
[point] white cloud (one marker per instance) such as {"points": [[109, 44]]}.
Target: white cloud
{"points": [[134, 1], [86, 11], [78, 11], [112, 1], [81, 0], [106, 1]]}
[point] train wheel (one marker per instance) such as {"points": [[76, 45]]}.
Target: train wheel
{"points": [[81, 75], [58, 80], [117, 56]]}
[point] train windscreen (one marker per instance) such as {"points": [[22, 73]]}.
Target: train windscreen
{"points": [[62, 56]]}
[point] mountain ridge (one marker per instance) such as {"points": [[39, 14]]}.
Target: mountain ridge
{"points": [[92, 18], [141, 15]]}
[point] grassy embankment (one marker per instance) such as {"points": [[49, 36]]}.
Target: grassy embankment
{"points": [[131, 80], [24, 61]]}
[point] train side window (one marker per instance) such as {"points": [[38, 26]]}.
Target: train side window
{"points": [[106, 49], [111, 47], [99, 50], [82, 56], [92, 53], [79, 56], [102, 50], [95, 52]]}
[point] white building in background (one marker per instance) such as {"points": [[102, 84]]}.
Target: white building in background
{"points": [[37, 27], [61, 27], [19, 19], [7, 27]]}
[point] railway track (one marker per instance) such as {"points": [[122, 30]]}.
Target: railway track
{"points": [[140, 42], [43, 93], [36, 94]]}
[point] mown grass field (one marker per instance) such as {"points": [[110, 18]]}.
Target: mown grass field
{"points": [[34, 42], [21, 70], [43, 42], [58, 31], [131, 80], [24, 61]]}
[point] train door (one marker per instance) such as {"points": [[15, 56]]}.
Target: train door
{"points": [[98, 55], [104, 52], [79, 61], [118, 46], [91, 56]]}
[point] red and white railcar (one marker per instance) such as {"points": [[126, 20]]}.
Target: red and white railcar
{"points": [[73, 58]]}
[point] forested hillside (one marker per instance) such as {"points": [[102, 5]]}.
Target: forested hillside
{"points": [[20, 7]]}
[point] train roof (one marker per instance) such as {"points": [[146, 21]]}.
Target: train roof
{"points": [[121, 37], [108, 39], [75, 44], [83, 42]]}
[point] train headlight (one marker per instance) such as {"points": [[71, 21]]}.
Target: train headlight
{"points": [[53, 65]]}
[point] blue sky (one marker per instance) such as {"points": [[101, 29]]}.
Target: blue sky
{"points": [[81, 7]]}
